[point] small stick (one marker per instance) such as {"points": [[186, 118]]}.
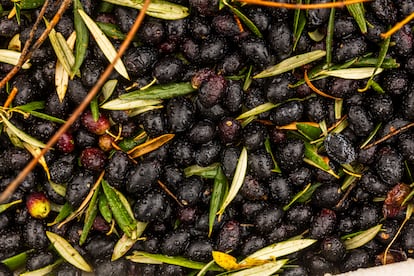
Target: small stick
{"points": [[303, 6], [168, 191], [239, 24], [316, 90], [389, 135], [29, 167], [10, 98], [397, 26]]}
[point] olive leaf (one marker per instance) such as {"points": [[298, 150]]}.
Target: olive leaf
{"points": [[309, 131], [111, 30], [122, 215], [140, 110], [316, 35], [143, 257], [299, 23], [159, 92], [291, 63], [353, 73], [150, 145], [314, 159], [61, 75], [358, 13], [220, 189], [265, 269], [67, 252], [206, 268], [64, 212], [268, 148], [206, 172], [125, 243], [12, 57], [17, 261], [257, 110], [279, 249], [62, 49], [5, 206], [329, 36], [121, 104], [104, 44], [371, 135], [362, 238], [44, 270], [108, 89], [104, 209], [30, 4], [157, 8], [20, 134], [82, 38], [237, 182], [90, 216], [35, 151]]}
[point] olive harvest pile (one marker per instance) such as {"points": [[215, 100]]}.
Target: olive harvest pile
{"points": [[231, 138]]}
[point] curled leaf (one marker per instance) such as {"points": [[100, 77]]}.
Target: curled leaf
{"points": [[125, 243], [104, 44], [226, 261], [150, 145], [69, 253]]}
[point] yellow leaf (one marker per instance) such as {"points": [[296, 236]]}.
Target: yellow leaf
{"points": [[225, 260], [150, 145]]}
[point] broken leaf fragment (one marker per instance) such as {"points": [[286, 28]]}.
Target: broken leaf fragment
{"points": [[12, 57], [226, 261]]}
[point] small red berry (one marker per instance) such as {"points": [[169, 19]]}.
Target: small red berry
{"points": [[93, 159], [97, 127], [66, 143]]}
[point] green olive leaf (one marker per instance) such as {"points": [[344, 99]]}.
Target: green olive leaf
{"points": [[12, 57], [353, 73], [108, 89], [245, 19], [308, 130], [316, 35], [358, 13], [5, 206], [206, 172], [279, 249], [67, 252], [111, 30], [362, 238], [329, 36], [159, 92], [291, 63], [121, 104], [125, 243], [268, 148], [136, 111], [265, 269], [64, 212], [237, 182], [104, 209], [257, 110], [143, 257], [30, 4], [17, 261], [90, 216], [314, 159], [122, 214], [82, 38], [302, 196], [44, 270], [20, 134], [157, 8], [104, 44], [220, 188]]}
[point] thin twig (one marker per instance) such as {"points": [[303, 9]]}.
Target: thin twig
{"points": [[29, 167], [303, 6], [397, 26], [389, 135]]}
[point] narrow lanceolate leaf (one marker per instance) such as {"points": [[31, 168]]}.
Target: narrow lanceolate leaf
{"points": [[353, 73], [111, 30], [5, 206], [329, 36], [64, 213], [90, 216], [67, 252], [104, 209], [161, 91], [61, 75], [82, 38], [122, 216], [104, 44], [245, 20], [220, 188], [237, 182], [107, 89], [150, 145], [265, 269], [20, 134], [278, 250], [174, 260], [291, 63], [358, 13], [206, 172], [17, 261], [12, 57], [362, 238], [44, 270], [62, 49], [121, 104], [157, 8], [314, 159], [257, 110], [35, 151], [125, 243]]}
